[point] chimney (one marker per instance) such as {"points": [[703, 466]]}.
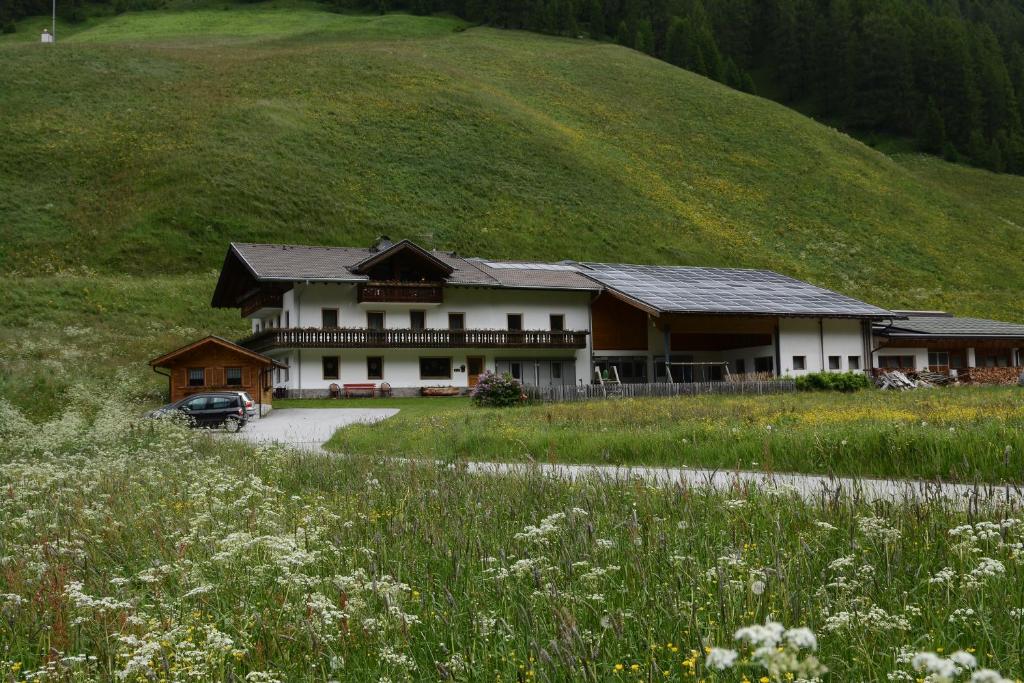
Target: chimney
{"points": [[383, 243]]}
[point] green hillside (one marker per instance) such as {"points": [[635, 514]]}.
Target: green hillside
{"points": [[145, 142], [141, 144]]}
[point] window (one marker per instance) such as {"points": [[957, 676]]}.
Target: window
{"points": [[196, 404], [764, 364], [196, 377], [374, 367], [897, 362], [515, 321], [329, 317], [375, 320], [417, 320], [799, 362], [835, 363], [287, 318], [435, 368], [456, 321], [234, 376], [516, 370], [557, 322], [556, 370], [330, 366], [938, 358], [631, 369], [221, 403], [741, 366], [277, 321], [853, 362]]}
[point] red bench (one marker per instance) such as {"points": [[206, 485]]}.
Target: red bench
{"points": [[359, 390]]}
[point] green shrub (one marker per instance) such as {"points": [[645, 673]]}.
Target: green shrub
{"points": [[498, 391], [832, 381]]}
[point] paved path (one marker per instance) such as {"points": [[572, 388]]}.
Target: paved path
{"points": [[309, 428]]}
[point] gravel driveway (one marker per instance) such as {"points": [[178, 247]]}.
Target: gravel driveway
{"points": [[308, 428]]}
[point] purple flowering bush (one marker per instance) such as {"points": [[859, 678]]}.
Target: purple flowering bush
{"points": [[497, 391]]}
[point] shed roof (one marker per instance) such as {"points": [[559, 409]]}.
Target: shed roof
{"points": [[938, 325]]}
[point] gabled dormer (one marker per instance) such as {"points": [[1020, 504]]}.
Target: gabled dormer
{"points": [[401, 272], [402, 261]]}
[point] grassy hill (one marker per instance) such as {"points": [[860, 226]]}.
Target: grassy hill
{"points": [[141, 144]]}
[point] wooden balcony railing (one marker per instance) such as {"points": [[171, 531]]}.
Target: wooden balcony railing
{"points": [[362, 338], [400, 292], [260, 300]]}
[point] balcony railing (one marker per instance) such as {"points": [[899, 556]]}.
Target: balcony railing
{"points": [[262, 300], [362, 338], [399, 292]]}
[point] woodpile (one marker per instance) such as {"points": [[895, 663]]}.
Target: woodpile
{"points": [[1000, 376], [899, 381]]}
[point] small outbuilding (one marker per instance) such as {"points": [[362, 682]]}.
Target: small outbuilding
{"points": [[216, 364]]}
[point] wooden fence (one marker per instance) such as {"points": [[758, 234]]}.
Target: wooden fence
{"points": [[588, 392]]}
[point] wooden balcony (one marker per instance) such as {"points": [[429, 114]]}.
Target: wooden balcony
{"points": [[362, 338], [400, 292], [261, 301]]}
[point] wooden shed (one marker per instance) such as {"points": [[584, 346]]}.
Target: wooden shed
{"points": [[216, 364]]}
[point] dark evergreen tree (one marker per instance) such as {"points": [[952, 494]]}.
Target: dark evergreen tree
{"points": [[931, 136]]}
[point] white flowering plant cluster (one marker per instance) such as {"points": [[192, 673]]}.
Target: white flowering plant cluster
{"points": [[147, 552]]}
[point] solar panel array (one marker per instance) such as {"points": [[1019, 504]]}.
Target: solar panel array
{"points": [[726, 290]]}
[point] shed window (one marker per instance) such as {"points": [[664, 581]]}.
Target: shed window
{"points": [[456, 321], [799, 362], [329, 317], [515, 321], [835, 363], [417, 320], [557, 322], [330, 367], [375, 320], [853, 362], [374, 367], [233, 376], [196, 377], [435, 368]]}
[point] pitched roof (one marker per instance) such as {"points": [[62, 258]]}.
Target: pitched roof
{"points": [[657, 289], [161, 361], [679, 289], [529, 275], [939, 325], [392, 249]]}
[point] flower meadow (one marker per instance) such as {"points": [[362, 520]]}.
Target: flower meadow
{"points": [[145, 552]]}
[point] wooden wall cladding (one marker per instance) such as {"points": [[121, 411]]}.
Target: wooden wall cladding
{"points": [[618, 326]]}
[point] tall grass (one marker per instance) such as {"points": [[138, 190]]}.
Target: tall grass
{"points": [[962, 434], [147, 553]]}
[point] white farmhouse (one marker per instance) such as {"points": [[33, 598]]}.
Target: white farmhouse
{"points": [[398, 315]]}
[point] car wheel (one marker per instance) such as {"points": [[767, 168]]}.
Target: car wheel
{"points": [[232, 424]]}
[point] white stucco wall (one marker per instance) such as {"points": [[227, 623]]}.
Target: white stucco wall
{"points": [[804, 337], [483, 309]]}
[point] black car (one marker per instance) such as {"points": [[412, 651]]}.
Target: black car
{"points": [[225, 409]]}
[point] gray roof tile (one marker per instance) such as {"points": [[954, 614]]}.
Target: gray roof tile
{"points": [[949, 326]]}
